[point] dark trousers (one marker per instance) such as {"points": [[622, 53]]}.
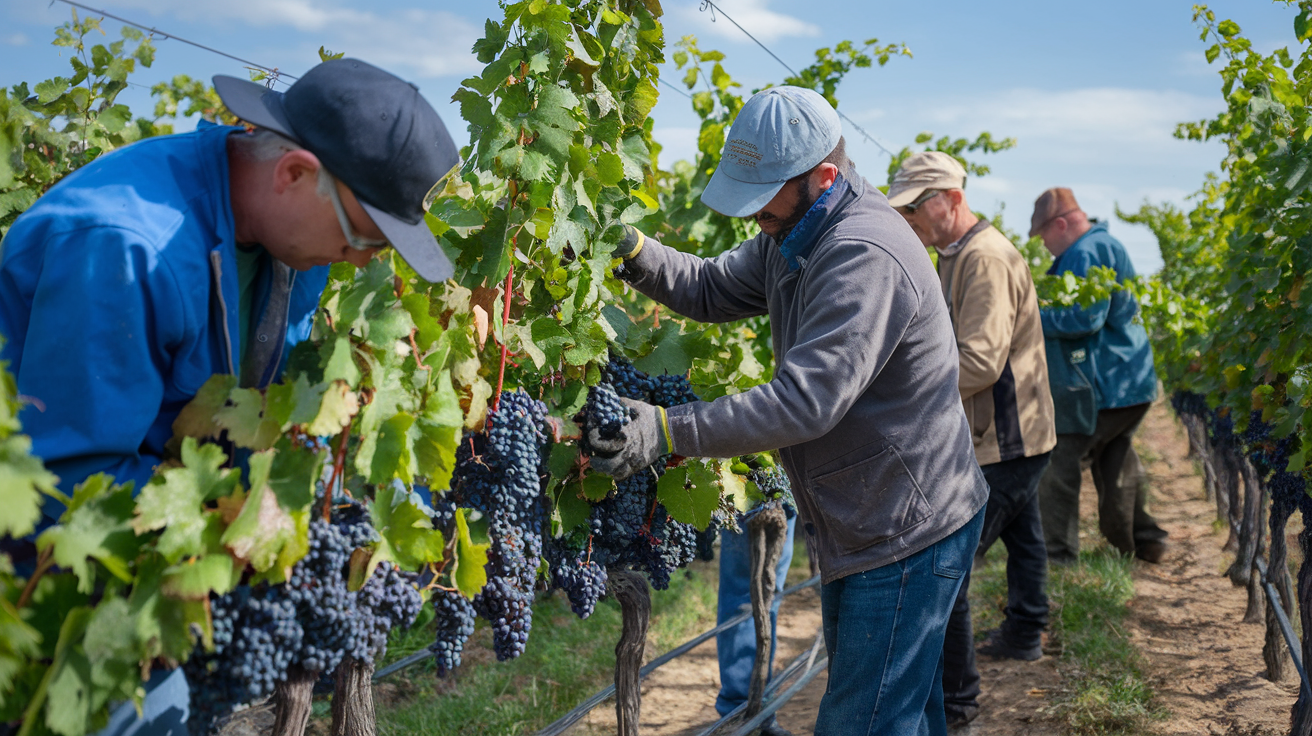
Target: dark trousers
{"points": [[1012, 515], [1118, 476]]}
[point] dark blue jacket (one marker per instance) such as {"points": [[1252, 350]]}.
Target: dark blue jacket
{"points": [[1119, 356], [119, 298]]}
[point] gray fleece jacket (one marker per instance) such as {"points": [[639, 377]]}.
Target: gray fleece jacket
{"points": [[864, 405]]}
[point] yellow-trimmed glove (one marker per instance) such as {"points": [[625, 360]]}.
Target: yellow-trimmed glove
{"points": [[639, 444], [632, 243]]}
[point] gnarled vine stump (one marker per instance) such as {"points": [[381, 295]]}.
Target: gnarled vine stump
{"points": [[1301, 720], [1274, 650], [767, 531], [292, 701], [353, 699], [630, 589], [1251, 530]]}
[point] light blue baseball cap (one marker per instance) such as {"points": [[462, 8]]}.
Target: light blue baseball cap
{"points": [[780, 132]]}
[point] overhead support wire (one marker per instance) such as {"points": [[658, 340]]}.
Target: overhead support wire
{"points": [[275, 75], [713, 8]]}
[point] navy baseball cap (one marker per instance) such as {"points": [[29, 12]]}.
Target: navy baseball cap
{"points": [[375, 133], [780, 132]]}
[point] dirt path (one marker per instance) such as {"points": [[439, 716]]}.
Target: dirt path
{"points": [[1205, 664]]}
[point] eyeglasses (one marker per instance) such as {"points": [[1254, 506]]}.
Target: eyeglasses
{"points": [[911, 207], [353, 239]]}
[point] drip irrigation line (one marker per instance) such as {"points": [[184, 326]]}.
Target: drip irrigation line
{"points": [[277, 75], [775, 683], [709, 5], [574, 716], [779, 702], [1286, 629]]}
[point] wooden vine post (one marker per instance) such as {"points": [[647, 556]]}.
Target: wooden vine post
{"points": [[767, 532], [630, 589], [1274, 650]]}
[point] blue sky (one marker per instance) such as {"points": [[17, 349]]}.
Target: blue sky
{"points": [[1092, 92]]}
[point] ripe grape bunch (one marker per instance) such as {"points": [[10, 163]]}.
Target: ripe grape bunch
{"points": [[582, 579], [499, 474], [455, 624], [255, 636]]}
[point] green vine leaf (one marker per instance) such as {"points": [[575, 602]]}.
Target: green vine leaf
{"points": [[469, 573]]}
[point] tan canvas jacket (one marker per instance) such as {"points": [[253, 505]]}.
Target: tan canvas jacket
{"points": [[1004, 371]]}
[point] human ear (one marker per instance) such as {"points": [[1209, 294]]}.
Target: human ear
{"points": [[824, 176], [295, 169]]}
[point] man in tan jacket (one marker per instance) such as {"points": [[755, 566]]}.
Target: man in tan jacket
{"points": [[1004, 388]]}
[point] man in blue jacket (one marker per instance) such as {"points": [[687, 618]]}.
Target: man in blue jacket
{"points": [[142, 274], [1105, 344]]}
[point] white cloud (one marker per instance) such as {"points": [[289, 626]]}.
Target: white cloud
{"points": [[754, 16], [402, 40], [16, 39]]}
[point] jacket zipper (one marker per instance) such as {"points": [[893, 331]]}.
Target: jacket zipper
{"points": [[216, 264]]}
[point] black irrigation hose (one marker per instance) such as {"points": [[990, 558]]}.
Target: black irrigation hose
{"points": [[574, 716], [1291, 641], [783, 698], [805, 658]]}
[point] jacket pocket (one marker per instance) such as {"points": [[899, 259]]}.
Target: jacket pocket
{"points": [[870, 501]]}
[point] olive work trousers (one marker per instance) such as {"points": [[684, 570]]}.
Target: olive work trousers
{"points": [[1118, 476]]}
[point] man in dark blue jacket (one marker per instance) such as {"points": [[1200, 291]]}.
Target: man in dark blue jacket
{"points": [[1106, 344], [139, 276]]}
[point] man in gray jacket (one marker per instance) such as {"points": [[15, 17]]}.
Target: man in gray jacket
{"points": [[863, 405]]}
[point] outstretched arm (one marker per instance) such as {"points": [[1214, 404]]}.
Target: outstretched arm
{"points": [[728, 287]]}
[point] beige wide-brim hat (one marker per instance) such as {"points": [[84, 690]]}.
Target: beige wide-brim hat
{"points": [[925, 170]]}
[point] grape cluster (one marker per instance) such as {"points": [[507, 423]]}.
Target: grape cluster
{"points": [[500, 473], [255, 636], [1188, 403], [324, 606], [706, 542], [387, 600], [627, 381], [444, 516], [605, 411], [583, 580], [455, 624], [671, 391]]}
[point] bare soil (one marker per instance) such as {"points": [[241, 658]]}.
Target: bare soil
{"points": [[1186, 619]]}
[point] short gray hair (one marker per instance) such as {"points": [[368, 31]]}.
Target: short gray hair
{"points": [[263, 144]]}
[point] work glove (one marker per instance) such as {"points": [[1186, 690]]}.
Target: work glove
{"points": [[639, 444], [632, 243]]}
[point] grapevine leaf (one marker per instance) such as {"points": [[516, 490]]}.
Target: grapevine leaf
{"points": [[19, 643], [443, 405], [341, 363], [689, 493], [392, 452], [389, 326], [674, 351], [562, 459], [163, 625], [294, 474], [69, 705], [244, 418], [596, 486], [22, 481], [263, 527], [305, 400], [589, 343], [337, 407], [435, 452], [174, 500], [574, 509], [98, 528], [469, 573], [494, 39], [738, 489], [610, 169], [194, 579], [407, 530], [427, 329], [197, 418]]}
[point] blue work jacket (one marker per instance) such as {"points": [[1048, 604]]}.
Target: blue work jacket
{"points": [[119, 299], [1119, 358]]}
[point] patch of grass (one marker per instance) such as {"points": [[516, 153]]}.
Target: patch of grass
{"points": [[1105, 690], [566, 661]]}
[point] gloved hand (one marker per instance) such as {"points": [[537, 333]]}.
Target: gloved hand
{"points": [[639, 444], [632, 243]]}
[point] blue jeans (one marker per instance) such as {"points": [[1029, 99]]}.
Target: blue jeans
{"points": [[884, 634], [1012, 515], [736, 647], [164, 712]]}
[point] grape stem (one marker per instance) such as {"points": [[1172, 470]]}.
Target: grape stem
{"points": [[339, 463], [44, 562], [505, 320]]}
